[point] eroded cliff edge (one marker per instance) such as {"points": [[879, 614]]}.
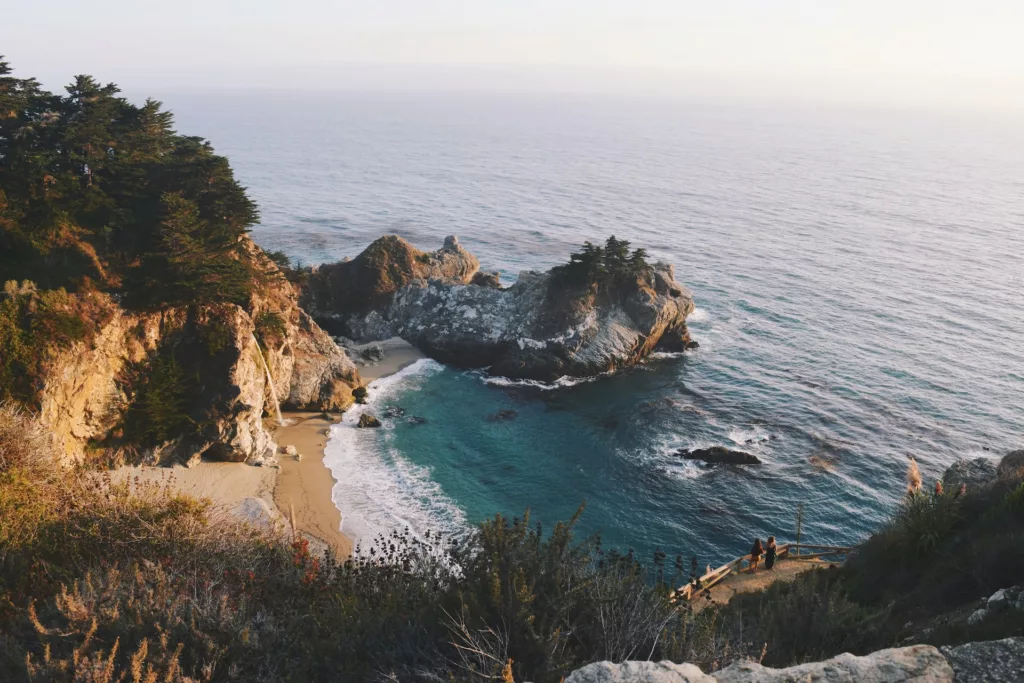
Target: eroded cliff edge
{"points": [[181, 382], [604, 310]]}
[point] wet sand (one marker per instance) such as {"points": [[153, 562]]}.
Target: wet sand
{"points": [[397, 355]]}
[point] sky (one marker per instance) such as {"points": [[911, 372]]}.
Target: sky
{"points": [[958, 53]]}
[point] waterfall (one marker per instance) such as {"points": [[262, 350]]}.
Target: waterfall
{"points": [[270, 382]]}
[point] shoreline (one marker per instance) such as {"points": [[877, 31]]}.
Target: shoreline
{"points": [[306, 485], [299, 488]]}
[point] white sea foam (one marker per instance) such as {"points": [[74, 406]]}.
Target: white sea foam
{"points": [[749, 435], [698, 315], [378, 490], [562, 382]]}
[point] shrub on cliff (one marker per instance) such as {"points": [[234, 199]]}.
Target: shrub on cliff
{"points": [[34, 326], [603, 267]]}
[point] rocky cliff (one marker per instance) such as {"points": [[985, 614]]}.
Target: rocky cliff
{"points": [[173, 384], [539, 328]]}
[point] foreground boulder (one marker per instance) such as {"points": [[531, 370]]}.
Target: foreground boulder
{"points": [[993, 661], [719, 455], [917, 663], [545, 326]]}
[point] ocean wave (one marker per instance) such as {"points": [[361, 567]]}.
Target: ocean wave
{"points": [[749, 435], [378, 490], [563, 382], [698, 315]]}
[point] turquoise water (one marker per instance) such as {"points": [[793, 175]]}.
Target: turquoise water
{"points": [[858, 277]]}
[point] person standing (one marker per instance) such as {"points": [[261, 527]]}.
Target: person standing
{"points": [[770, 553], [755, 555]]}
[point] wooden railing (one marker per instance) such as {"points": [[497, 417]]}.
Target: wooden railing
{"points": [[791, 551]]}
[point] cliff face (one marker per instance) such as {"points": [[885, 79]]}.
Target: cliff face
{"points": [[534, 329], [199, 369], [340, 291]]}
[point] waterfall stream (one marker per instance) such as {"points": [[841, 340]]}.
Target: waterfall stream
{"points": [[270, 382]]}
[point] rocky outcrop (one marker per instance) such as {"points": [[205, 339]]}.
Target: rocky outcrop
{"points": [[336, 292], [993, 661], [917, 663], [1011, 467], [719, 455], [974, 473], [90, 388], [536, 329]]}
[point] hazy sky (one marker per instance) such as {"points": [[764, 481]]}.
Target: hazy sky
{"points": [[966, 53]]}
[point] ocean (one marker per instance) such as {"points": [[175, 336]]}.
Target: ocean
{"points": [[858, 276]]}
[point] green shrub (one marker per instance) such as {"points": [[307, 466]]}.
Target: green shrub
{"points": [[270, 328], [159, 409]]}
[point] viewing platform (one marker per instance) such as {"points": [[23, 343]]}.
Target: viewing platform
{"points": [[718, 586]]}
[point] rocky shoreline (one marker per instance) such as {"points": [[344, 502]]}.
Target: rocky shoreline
{"points": [[542, 327]]}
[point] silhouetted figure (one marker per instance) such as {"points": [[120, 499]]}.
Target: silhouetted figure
{"points": [[770, 553], [755, 555]]}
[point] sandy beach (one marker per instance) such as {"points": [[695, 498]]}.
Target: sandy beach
{"points": [[302, 485], [233, 487], [397, 354]]}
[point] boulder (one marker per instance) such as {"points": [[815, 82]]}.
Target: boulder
{"points": [[639, 672], [1011, 466], [540, 328], [367, 420], [917, 663], [487, 279], [993, 661], [975, 473], [290, 450], [1004, 598], [720, 455]]}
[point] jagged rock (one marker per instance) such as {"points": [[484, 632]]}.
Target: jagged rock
{"points": [[992, 661], [367, 420], [502, 415], [87, 389], [394, 411], [371, 280], [719, 455], [487, 279], [1011, 466], [639, 672], [1004, 598], [977, 616], [917, 663], [373, 352], [975, 474], [535, 329]]}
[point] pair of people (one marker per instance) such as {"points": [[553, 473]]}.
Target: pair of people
{"points": [[769, 551]]}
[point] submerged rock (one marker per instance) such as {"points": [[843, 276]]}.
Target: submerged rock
{"points": [[719, 455], [367, 420], [502, 415], [540, 328]]}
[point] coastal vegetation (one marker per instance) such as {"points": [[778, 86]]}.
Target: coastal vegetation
{"points": [[98, 583]]}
